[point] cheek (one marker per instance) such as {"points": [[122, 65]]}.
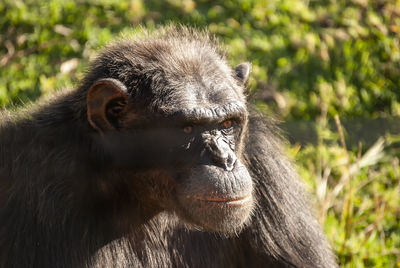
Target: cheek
{"points": [[157, 188]]}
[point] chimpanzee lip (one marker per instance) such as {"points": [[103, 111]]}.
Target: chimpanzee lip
{"points": [[228, 201]]}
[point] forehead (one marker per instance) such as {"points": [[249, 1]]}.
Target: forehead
{"points": [[205, 94], [201, 101], [208, 89], [188, 73]]}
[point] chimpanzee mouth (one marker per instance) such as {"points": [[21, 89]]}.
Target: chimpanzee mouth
{"points": [[217, 213], [240, 201]]}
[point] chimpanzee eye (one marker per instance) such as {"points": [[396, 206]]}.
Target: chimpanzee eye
{"points": [[227, 123], [188, 129]]}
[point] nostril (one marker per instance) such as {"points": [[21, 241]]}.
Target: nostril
{"points": [[230, 163], [220, 158]]}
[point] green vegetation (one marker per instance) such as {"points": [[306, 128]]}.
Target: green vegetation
{"points": [[312, 60]]}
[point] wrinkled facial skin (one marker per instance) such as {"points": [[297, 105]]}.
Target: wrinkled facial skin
{"points": [[214, 188], [216, 192]]}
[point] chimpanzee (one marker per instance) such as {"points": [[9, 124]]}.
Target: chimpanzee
{"points": [[154, 160]]}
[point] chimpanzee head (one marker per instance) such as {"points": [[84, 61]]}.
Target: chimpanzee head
{"points": [[172, 103]]}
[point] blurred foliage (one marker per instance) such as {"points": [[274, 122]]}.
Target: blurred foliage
{"points": [[357, 195], [312, 60]]}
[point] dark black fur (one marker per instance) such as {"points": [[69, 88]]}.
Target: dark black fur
{"points": [[68, 201]]}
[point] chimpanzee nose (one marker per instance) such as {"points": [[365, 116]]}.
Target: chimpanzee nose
{"points": [[221, 154]]}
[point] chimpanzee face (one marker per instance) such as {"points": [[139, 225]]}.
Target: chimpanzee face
{"points": [[214, 188], [191, 126]]}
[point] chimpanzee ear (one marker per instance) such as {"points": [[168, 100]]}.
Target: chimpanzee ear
{"points": [[243, 72], [106, 101]]}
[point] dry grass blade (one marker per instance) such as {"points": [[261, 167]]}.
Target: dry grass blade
{"points": [[371, 157]]}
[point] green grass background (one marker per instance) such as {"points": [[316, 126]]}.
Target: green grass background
{"points": [[320, 61]]}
